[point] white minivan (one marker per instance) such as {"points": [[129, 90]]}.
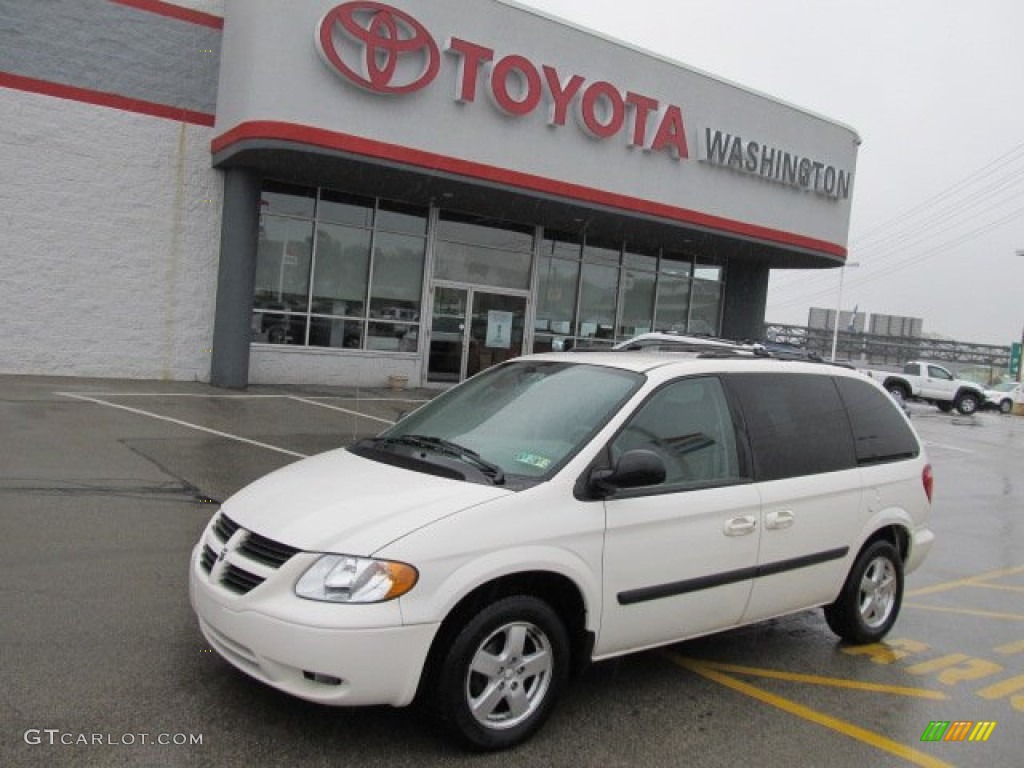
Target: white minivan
{"points": [[564, 508]]}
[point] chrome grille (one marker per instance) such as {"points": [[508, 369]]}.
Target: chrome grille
{"points": [[224, 527], [208, 558], [239, 581], [226, 552], [268, 552]]}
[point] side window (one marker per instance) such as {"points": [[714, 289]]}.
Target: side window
{"points": [[880, 433], [689, 425], [939, 373], [796, 423]]}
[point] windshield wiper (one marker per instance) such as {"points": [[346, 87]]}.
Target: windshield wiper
{"points": [[449, 448]]}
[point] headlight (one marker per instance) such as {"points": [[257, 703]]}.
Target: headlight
{"points": [[346, 579]]}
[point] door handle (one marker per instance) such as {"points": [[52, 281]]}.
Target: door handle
{"points": [[778, 518], [740, 526]]}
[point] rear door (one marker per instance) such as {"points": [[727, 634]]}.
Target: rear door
{"points": [[680, 556], [810, 488]]}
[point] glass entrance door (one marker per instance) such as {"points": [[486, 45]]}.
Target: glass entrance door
{"points": [[473, 329], [496, 331], [448, 335]]}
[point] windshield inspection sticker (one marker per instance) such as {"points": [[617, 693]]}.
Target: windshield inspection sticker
{"points": [[540, 462]]}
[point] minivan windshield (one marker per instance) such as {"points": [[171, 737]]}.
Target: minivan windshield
{"points": [[522, 419]]}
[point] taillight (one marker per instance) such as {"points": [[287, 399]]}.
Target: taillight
{"points": [[928, 479]]}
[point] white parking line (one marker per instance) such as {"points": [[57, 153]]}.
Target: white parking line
{"points": [[340, 409], [179, 422], [930, 444], [168, 394]]}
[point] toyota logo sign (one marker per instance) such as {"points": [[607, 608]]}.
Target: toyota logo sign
{"points": [[378, 47]]}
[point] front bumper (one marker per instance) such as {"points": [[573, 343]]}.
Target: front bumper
{"points": [[339, 655]]}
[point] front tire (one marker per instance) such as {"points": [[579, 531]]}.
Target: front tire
{"points": [[870, 600], [1006, 406], [503, 673], [967, 403]]}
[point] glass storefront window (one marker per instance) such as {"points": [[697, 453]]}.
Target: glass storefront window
{"points": [[397, 284], [482, 251], [345, 209], [637, 303], [673, 303], [283, 263], [561, 246], [407, 219], [676, 265], [597, 301], [335, 332], [638, 259], [477, 230], [710, 272], [601, 253], [465, 263], [705, 312], [557, 281], [342, 270], [278, 328], [392, 337], [362, 265], [287, 200]]}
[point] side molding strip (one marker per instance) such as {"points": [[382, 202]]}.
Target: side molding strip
{"points": [[645, 594]]}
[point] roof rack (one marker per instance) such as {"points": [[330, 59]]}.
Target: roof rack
{"points": [[736, 351]]}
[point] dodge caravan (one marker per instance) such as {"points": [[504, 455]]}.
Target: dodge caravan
{"points": [[565, 508]]}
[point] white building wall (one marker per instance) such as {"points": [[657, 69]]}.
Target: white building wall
{"points": [[109, 239], [285, 365]]}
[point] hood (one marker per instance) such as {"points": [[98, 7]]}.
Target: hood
{"points": [[339, 502]]}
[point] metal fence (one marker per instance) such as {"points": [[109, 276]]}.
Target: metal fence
{"points": [[868, 349]]}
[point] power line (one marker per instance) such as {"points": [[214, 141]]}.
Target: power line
{"points": [[954, 213]]}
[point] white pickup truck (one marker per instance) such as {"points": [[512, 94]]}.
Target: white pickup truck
{"points": [[932, 384]]}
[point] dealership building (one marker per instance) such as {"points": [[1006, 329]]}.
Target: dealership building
{"points": [[253, 191]]}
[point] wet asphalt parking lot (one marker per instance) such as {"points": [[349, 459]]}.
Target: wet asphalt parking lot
{"points": [[106, 485]]}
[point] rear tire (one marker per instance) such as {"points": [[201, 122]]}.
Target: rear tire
{"points": [[503, 673], [898, 390], [870, 600], [1006, 406]]}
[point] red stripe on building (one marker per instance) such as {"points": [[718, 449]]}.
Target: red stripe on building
{"points": [[317, 137], [103, 99], [174, 12]]}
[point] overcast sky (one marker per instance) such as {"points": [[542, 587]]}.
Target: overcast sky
{"points": [[935, 88]]}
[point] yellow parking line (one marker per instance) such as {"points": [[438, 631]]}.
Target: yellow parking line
{"points": [[967, 612], [1011, 648], [831, 682], [1005, 587], [820, 718], [969, 581]]}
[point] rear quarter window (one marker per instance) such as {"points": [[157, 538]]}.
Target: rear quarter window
{"points": [[880, 433], [796, 424]]}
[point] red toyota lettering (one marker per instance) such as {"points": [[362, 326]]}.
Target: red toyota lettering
{"points": [[520, 69], [561, 95], [470, 57], [671, 134], [615, 112], [642, 108]]}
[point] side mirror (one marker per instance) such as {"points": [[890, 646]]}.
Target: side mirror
{"points": [[635, 469]]}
